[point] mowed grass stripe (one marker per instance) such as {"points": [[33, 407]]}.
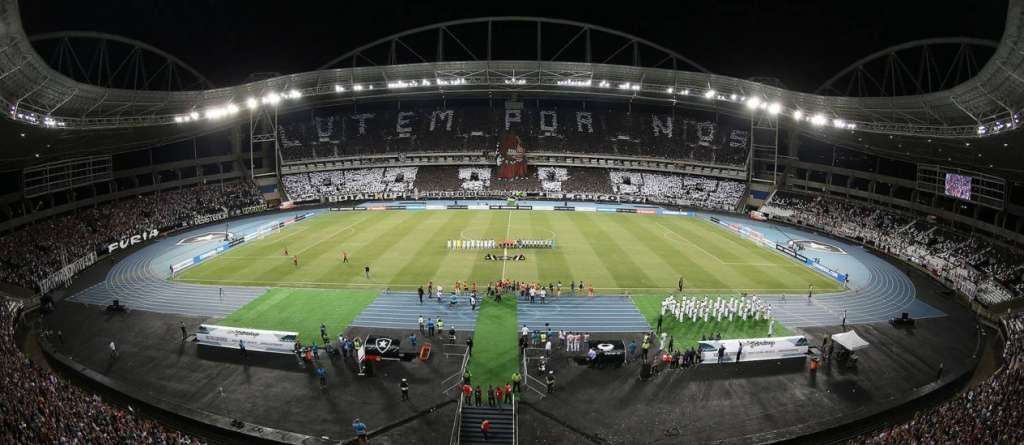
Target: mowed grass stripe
{"points": [[616, 252], [617, 259], [630, 231], [433, 226], [692, 264], [578, 249], [692, 231], [782, 270], [555, 265]]}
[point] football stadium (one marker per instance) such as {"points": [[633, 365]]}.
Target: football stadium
{"points": [[229, 223]]}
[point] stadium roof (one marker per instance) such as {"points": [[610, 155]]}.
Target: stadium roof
{"points": [[34, 93]]}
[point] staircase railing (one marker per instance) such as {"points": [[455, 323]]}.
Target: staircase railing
{"points": [[457, 426], [456, 435], [515, 420]]}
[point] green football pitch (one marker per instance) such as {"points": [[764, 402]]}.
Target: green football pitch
{"points": [[643, 254]]}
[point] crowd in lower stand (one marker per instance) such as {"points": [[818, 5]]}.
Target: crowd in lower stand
{"points": [[684, 190], [676, 189], [990, 413], [37, 406], [980, 268], [314, 186], [34, 252]]}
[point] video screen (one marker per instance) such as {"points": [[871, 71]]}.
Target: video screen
{"points": [[958, 186]]}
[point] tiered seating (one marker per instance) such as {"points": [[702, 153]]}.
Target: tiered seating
{"points": [[988, 271]]}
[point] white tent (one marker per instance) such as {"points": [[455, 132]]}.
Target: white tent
{"points": [[850, 340]]}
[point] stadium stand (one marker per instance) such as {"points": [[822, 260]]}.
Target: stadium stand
{"points": [[980, 268], [683, 190], [701, 138], [990, 412], [36, 251], [39, 406]]}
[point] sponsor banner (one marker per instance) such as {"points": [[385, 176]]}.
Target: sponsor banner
{"points": [[565, 208], [457, 207], [789, 251], [606, 209], [758, 216], [342, 209], [133, 240], [754, 349], [513, 207], [586, 209], [395, 207], [286, 205], [182, 265], [200, 220], [835, 275], [279, 342], [416, 207], [715, 220], [435, 207], [376, 208], [620, 210], [253, 209], [646, 211], [479, 207], [549, 208]]}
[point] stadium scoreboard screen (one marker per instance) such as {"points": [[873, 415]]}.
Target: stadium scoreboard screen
{"points": [[958, 186], [971, 186]]}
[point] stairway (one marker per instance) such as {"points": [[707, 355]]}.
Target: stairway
{"points": [[502, 425]]}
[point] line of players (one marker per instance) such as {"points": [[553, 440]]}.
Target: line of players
{"points": [[472, 244]]}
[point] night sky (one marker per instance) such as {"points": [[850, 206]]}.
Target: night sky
{"points": [[800, 42]]}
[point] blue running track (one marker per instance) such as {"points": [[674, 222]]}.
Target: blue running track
{"points": [[878, 290], [401, 310], [585, 314], [140, 280]]}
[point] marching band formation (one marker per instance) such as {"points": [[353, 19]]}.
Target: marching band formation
{"points": [[716, 308]]}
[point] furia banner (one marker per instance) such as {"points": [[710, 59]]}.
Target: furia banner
{"points": [[771, 348], [133, 240], [254, 339]]}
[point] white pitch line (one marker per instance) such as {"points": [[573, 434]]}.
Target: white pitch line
{"points": [[336, 233], [687, 241], [504, 258]]}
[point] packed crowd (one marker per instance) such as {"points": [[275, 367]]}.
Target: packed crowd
{"points": [[975, 266], [37, 406], [314, 186], [656, 133], [36, 251], [551, 178], [990, 413], [684, 190]]}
